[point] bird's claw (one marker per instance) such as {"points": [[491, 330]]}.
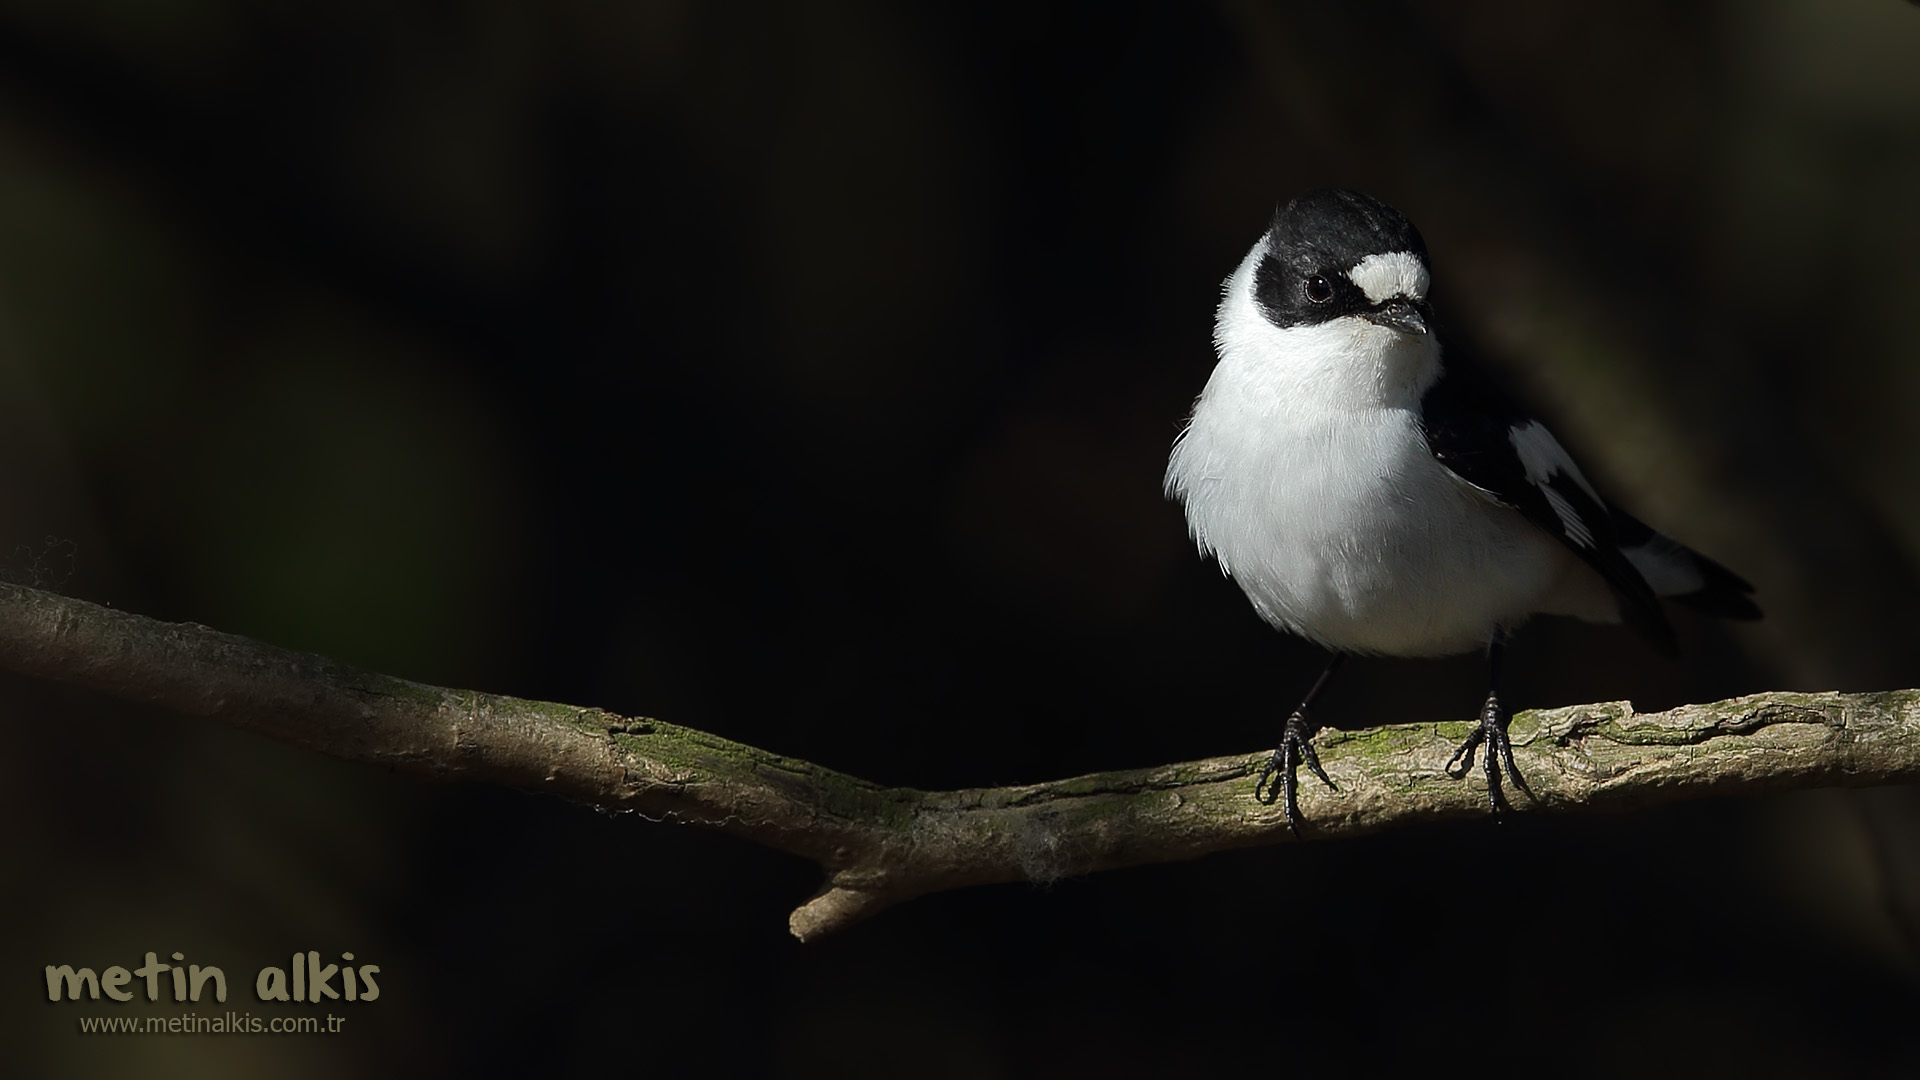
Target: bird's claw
{"points": [[1279, 777], [1493, 732]]}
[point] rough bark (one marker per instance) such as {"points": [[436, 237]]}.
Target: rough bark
{"points": [[880, 845]]}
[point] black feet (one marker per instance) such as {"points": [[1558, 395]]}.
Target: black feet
{"points": [[1280, 776], [1493, 732]]}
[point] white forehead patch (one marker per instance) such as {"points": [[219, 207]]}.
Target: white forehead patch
{"points": [[1396, 273]]}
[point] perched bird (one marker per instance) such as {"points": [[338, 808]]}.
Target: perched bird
{"points": [[1373, 492]]}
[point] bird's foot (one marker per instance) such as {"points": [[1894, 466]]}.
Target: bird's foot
{"points": [[1493, 732], [1280, 776]]}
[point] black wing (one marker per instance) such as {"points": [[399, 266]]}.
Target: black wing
{"points": [[1484, 438]]}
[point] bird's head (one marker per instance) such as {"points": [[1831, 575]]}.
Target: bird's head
{"points": [[1333, 255]]}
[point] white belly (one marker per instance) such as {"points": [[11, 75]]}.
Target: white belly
{"points": [[1348, 532]]}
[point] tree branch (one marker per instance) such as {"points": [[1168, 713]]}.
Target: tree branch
{"points": [[880, 845]]}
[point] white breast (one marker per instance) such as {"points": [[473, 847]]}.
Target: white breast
{"points": [[1304, 472]]}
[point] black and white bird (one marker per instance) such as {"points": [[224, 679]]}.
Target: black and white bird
{"points": [[1370, 490]]}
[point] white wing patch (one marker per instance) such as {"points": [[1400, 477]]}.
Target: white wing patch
{"points": [[1396, 273], [1542, 456]]}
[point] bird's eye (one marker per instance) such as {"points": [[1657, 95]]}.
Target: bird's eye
{"points": [[1319, 289]]}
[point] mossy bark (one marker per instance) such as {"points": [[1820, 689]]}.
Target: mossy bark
{"points": [[881, 845]]}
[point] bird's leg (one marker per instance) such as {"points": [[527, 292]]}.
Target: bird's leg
{"points": [[1296, 745], [1493, 732]]}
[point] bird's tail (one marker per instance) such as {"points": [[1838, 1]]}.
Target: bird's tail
{"points": [[1682, 574]]}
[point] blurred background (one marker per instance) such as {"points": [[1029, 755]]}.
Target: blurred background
{"points": [[806, 373]]}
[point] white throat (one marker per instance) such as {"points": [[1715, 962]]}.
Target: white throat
{"points": [[1347, 363]]}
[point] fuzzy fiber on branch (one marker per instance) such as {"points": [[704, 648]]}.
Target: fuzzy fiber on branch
{"points": [[880, 845]]}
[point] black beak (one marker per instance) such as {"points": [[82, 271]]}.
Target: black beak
{"points": [[1399, 313]]}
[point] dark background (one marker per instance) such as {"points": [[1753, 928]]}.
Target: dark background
{"points": [[806, 374]]}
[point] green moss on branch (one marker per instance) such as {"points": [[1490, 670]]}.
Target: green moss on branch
{"points": [[879, 845]]}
